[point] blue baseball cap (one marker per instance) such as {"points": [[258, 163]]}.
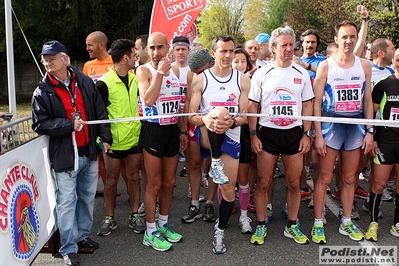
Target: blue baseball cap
{"points": [[262, 37], [52, 48]]}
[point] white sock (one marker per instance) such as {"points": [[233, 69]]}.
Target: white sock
{"points": [[162, 220], [345, 220], [244, 213], [151, 228], [270, 206], [318, 221], [195, 203]]}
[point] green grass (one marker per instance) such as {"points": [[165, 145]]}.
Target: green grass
{"points": [[23, 109]]}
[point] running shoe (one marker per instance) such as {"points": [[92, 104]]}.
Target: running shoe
{"points": [[351, 231], [209, 212], [251, 204], [258, 238], [391, 188], [336, 193], [306, 195], [278, 173], [360, 193], [193, 214], [71, 259], [217, 172], [137, 223], [311, 204], [218, 242], [354, 215], [284, 211], [182, 158], [318, 236], [386, 196], [395, 230], [295, 233], [88, 243], [245, 224], [141, 210], [269, 216], [167, 232], [328, 190], [183, 172], [156, 241], [372, 232], [107, 225], [204, 181], [365, 174], [366, 208]]}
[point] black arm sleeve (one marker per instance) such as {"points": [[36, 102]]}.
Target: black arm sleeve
{"points": [[103, 89]]}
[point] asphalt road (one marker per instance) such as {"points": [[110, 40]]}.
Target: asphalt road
{"points": [[124, 247]]}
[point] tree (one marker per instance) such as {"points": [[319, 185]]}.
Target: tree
{"points": [[254, 18], [275, 16], [222, 17], [70, 21]]}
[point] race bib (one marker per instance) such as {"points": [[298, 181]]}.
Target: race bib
{"points": [[231, 106], [168, 105], [283, 108], [394, 115], [347, 98]]}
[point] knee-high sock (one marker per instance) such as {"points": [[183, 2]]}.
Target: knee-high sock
{"points": [[224, 213], [396, 217], [375, 202], [216, 141], [243, 195]]}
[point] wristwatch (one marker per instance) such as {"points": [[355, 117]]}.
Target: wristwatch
{"points": [[309, 66], [308, 133], [234, 125], [371, 130], [184, 132], [252, 132]]}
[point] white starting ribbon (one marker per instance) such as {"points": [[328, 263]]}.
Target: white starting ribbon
{"points": [[342, 120]]}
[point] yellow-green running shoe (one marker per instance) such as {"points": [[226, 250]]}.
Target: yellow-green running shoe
{"points": [[156, 241], [318, 234], [258, 237], [296, 234], [351, 231], [167, 232], [372, 232]]}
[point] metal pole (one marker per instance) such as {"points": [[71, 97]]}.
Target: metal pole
{"points": [[10, 59]]}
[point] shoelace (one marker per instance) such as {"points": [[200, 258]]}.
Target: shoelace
{"points": [[260, 230]]}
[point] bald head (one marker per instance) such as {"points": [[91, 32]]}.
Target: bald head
{"points": [[158, 46], [96, 45]]}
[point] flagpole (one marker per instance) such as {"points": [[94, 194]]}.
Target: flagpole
{"points": [[10, 59]]}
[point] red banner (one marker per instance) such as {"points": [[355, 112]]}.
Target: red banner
{"points": [[192, 33], [175, 17]]}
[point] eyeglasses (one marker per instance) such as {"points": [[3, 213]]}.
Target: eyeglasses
{"points": [[51, 60]]}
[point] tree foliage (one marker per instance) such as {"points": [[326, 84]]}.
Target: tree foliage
{"points": [[254, 18], [276, 14], [69, 21], [222, 17]]}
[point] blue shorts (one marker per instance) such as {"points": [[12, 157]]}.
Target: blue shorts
{"points": [[229, 146], [345, 137]]}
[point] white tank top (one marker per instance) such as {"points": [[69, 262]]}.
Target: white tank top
{"points": [[183, 84], [343, 94], [222, 92], [168, 101]]}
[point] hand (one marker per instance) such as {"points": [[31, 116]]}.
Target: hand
{"points": [[374, 150], [256, 144], [320, 146], [362, 10], [304, 144], [106, 146], [78, 124], [368, 143], [164, 65], [183, 142]]}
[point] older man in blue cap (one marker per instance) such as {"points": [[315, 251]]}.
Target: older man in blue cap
{"points": [[61, 103], [264, 51]]}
